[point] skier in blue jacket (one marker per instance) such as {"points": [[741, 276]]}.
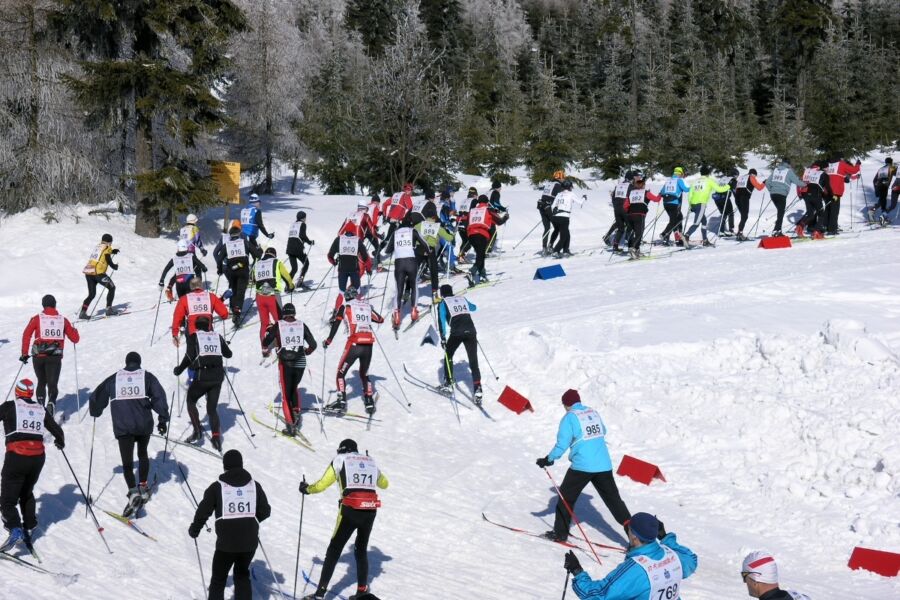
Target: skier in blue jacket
{"points": [[651, 569], [583, 433], [671, 192], [251, 221], [457, 328]]}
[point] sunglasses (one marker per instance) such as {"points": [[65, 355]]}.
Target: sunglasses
{"points": [[745, 574]]}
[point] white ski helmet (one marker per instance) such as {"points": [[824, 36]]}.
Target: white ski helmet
{"points": [[182, 246], [362, 203], [191, 219]]}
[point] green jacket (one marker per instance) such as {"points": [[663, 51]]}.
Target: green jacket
{"points": [[431, 231], [703, 189]]}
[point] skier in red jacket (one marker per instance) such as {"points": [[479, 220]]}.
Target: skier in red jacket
{"points": [[839, 172], [50, 330]]}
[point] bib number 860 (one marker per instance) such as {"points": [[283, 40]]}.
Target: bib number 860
{"points": [[669, 593]]}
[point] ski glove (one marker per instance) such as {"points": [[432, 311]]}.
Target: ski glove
{"points": [[161, 285], [177, 371], [161, 427], [113, 267], [59, 442], [304, 487], [194, 530], [571, 563], [203, 252], [24, 359], [326, 343], [544, 462], [270, 236], [115, 251], [312, 242]]}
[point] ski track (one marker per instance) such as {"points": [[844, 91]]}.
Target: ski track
{"points": [[743, 373]]}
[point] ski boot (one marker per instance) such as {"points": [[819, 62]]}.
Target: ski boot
{"points": [[414, 313], [740, 236], [144, 491], [317, 595], [112, 311], [16, 535], [340, 404], [83, 315], [236, 319], [134, 502], [369, 401], [362, 591], [289, 430], [777, 233], [818, 235], [195, 436], [632, 254], [395, 319], [706, 243], [477, 393], [551, 535], [217, 442]]}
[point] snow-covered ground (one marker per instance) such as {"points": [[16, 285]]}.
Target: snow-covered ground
{"points": [[763, 383]]}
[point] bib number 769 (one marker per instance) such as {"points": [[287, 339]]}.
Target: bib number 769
{"points": [[668, 593]]}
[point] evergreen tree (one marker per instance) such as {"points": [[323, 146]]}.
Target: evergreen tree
{"points": [[375, 21], [159, 61], [548, 143], [787, 135]]}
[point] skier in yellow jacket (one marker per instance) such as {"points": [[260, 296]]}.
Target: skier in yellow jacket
{"points": [[95, 273], [701, 191]]}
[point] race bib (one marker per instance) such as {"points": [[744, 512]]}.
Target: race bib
{"points": [[664, 574], [95, 255], [186, 233], [238, 502], [403, 243], [478, 216], [265, 269], [209, 344], [291, 335], [671, 187], [779, 175], [130, 385], [743, 180], [51, 327], [360, 472], [548, 188], [622, 190], [348, 245], [430, 229], [592, 426], [360, 315], [700, 185], [246, 216], [294, 231], [833, 168], [29, 418], [637, 197], [184, 265], [199, 303], [418, 205], [457, 305], [236, 248]]}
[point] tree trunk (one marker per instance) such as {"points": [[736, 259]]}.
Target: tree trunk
{"points": [[294, 180], [146, 222]]}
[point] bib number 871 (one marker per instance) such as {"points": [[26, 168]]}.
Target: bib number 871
{"points": [[668, 593]]}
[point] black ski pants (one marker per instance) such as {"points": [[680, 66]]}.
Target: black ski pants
{"points": [[636, 222], [351, 276], [617, 229], [302, 259], [405, 277], [221, 565], [126, 451], [673, 211], [815, 216], [238, 282], [92, 282], [290, 382], [210, 389], [47, 369], [779, 201], [832, 211], [17, 480], [349, 520], [726, 209], [743, 205], [544, 210], [561, 226], [470, 341], [352, 353], [573, 483], [479, 243]]}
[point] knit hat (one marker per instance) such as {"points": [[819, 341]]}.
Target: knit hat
{"points": [[570, 398], [24, 388], [202, 322], [232, 460], [644, 526], [106, 238], [446, 290], [289, 310], [133, 358], [760, 566], [347, 445], [48, 301]]}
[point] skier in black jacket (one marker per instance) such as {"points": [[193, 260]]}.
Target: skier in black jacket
{"points": [[205, 350], [233, 260], [240, 505], [296, 251], [24, 421], [133, 393]]}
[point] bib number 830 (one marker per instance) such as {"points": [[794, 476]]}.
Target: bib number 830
{"points": [[668, 593]]}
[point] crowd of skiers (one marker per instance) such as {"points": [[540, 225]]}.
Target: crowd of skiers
{"points": [[421, 239]]}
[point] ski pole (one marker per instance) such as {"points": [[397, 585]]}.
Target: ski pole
{"points": [[178, 378], [497, 377], [200, 564], [271, 571], [566, 586], [763, 208], [321, 402], [722, 216], [299, 536], [99, 297], [653, 232], [90, 466], [387, 282], [156, 316], [328, 296], [380, 347], [166, 444], [318, 286], [530, 231], [241, 408], [83, 495], [15, 379], [572, 514], [77, 387]]}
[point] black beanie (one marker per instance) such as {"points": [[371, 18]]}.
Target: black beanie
{"points": [[132, 358], [106, 238], [48, 301], [232, 460], [446, 290]]}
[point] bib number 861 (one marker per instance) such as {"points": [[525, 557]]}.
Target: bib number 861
{"points": [[669, 593], [238, 507]]}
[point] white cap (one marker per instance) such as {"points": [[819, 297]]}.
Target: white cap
{"points": [[254, 197], [191, 219], [362, 202], [182, 246], [760, 566]]}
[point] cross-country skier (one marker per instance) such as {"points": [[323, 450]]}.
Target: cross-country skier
{"points": [[481, 221], [698, 198], [293, 342], [358, 478], [296, 251], [617, 231], [24, 422], [270, 277], [651, 570], [839, 172], [548, 195], [456, 328], [348, 253], [583, 433], [635, 208], [395, 208], [203, 355], [252, 222], [815, 190], [358, 315], [95, 274], [233, 260], [745, 185], [199, 303], [779, 185], [725, 205], [760, 574], [49, 330], [671, 192], [239, 504], [191, 234], [132, 394], [437, 238], [408, 247], [882, 183], [462, 223], [187, 267], [560, 214]]}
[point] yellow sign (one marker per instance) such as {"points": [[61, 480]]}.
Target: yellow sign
{"points": [[227, 177]]}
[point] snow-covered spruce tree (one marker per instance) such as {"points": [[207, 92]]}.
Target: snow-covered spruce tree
{"points": [[549, 141], [154, 63], [47, 156], [264, 89], [375, 21], [787, 134]]}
